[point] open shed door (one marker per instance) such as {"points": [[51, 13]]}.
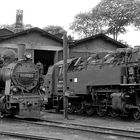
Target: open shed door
{"points": [[45, 57]]}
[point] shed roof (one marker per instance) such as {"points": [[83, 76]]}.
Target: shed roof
{"points": [[35, 29], [5, 32], [103, 36]]}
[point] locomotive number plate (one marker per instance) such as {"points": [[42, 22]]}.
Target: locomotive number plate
{"points": [[26, 75]]}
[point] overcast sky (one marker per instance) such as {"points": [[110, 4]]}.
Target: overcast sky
{"points": [[44, 12], [41, 13]]}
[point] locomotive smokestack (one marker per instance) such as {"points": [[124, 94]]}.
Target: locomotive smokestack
{"points": [[21, 51]]}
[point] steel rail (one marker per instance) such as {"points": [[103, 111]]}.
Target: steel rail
{"points": [[25, 136], [87, 128]]}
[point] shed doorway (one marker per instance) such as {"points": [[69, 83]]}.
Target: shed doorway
{"points": [[45, 57]]}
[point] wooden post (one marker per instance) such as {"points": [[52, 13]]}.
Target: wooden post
{"points": [[65, 101]]}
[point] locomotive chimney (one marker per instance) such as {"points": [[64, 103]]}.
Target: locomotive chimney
{"points": [[21, 51]]}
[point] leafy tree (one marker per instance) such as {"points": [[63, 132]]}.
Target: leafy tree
{"points": [[7, 26], [12, 27], [87, 24], [118, 14], [55, 30], [27, 26], [109, 16], [70, 38]]}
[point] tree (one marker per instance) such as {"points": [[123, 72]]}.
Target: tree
{"points": [[9, 27], [109, 16], [27, 26], [118, 14], [12, 26], [55, 30], [87, 24]]}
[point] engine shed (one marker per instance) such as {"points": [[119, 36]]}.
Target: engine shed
{"points": [[48, 49], [44, 47]]}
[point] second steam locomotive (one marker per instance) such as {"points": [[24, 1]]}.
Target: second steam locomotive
{"points": [[105, 86]]}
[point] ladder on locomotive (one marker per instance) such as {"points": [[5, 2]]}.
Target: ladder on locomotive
{"points": [[55, 101]]}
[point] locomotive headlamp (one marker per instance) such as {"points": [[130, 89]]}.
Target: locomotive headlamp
{"points": [[28, 56]]}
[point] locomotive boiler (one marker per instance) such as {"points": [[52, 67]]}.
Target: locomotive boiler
{"points": [[105, 86], [20, 90]]}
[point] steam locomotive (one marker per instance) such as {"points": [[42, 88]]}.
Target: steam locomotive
{"points": [[108, 85], [20, 90]]}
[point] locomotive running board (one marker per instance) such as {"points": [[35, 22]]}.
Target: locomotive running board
{"points": [[129, 84]]}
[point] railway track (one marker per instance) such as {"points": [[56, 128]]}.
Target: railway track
{"points": [[87, 128], [25, 136]]}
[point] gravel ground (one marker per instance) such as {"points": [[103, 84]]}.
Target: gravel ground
{"points": [[48, 131], [26, 128], [123, 123], [2, 137]]}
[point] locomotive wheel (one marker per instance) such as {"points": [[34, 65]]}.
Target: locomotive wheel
{"points": [[71, 109], [136, 114], [101, 111], [90, 111], [79, 109], [113, 114]]}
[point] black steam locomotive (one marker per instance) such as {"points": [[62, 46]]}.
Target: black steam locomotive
{"points": [[105, 86], [20, 90]]}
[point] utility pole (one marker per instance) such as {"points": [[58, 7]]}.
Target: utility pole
{"points": [[65, 51]]}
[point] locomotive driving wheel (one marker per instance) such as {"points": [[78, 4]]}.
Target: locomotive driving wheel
{"points": [[113, 113], [90, 111], [136, 114], [79, 109], [101, 111], [71, 109]]}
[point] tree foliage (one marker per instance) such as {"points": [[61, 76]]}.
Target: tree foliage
{"points": [[118, 14], [55, 30], [87, 24], [109, 16], [27, 26], [11, 27]]}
